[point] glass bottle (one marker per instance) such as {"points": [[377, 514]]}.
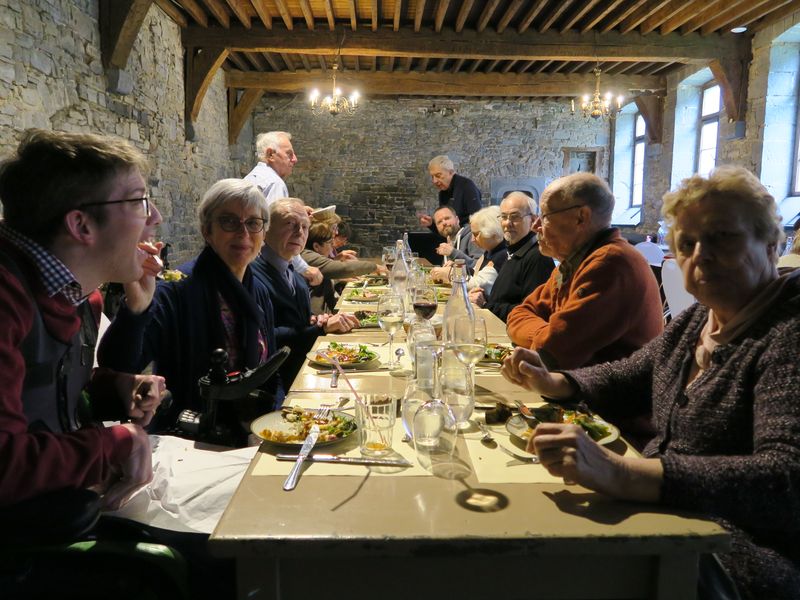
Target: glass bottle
{"points": [[458, 307], [399, 276]]}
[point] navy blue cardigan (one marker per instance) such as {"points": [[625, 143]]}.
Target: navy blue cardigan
{"points": [[292, 316], [174, 333]]}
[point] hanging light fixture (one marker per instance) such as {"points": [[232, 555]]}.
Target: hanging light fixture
{"points": [[336, 103], [598, 106]]}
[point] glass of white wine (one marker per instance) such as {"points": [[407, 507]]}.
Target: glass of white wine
{"points": [[390, 318], [468, 342]]}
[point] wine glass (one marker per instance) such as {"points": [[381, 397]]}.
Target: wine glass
{"points": [[424, 301], [468, 341], [388, 255], [390, 318]]}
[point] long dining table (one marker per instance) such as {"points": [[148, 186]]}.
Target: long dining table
{"points": [[494, 526]]}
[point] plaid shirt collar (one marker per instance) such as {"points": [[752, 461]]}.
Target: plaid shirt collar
{"points": [[55, 275]]}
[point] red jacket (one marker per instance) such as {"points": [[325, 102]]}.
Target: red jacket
{"points": [[33, 463], [610, 307]]}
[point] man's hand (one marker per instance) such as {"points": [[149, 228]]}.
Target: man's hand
{"points": [[441, 274], [444, 249], [381, 270], [139, 294], [525, 368], [313, 276], [478, 297], [425, 220], [135, 471], [341, 323], [143, 397]]}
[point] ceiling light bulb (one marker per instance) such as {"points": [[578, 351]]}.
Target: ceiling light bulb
{"points": [[739, 29]]}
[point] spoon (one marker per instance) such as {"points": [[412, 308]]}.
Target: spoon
{"points": [[487, 439]]}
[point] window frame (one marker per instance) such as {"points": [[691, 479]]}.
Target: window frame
{"points": [[640, 139], [705, 120]]}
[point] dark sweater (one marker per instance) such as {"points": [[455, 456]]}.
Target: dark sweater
{"points": [[463, 196], [730, 442], [522, 273]]}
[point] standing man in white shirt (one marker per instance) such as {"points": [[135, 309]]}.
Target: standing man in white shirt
{"points": [[276, 160]]}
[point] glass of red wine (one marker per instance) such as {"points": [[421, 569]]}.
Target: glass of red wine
{"points": [[424, 301]]}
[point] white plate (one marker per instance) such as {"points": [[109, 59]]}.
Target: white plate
{"points": [[325, 212], [312, 360], [275, 422], [378, 291], [518, 427]]}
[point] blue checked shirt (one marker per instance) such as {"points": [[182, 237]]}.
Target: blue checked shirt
{"points": [[55, 275]]}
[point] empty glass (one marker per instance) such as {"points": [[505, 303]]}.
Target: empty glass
{"points": [[457, 393], [390, 318]]}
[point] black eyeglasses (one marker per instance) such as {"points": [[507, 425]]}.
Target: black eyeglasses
{"points": [[555, 212], [144, 201], [232, 224], [512, 217]]}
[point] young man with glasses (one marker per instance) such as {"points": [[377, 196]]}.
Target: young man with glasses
{"points": [[76, 214], [602, 302], [526, 267]]}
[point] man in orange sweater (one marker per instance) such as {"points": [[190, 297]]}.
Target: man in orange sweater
{"points": [[602, 302]]}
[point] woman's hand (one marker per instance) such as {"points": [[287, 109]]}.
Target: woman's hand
{"points": [[139, 294], [567, 451], [478, 297], [341, 323], [524, 368]]}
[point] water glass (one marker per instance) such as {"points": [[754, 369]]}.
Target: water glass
{"points": [[375, 416], [457, 393], [416, 395], [418, 331]]}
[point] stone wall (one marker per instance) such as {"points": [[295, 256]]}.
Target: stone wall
{"points": [[373, 165], [51, 76]]}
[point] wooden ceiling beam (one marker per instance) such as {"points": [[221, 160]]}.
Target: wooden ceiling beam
{"points": [[463, 13], [284, 12], [710, 10], [511, 11], [238, 61], [569, 46], [690, 11], [578, 15], [508, 66], [288, 61], [457, 65], [173, 12], [322, 64], [441, 65], [196, 11], [475, 64], [273, 62], [754, 12], [486, 15], [201, 66], [557, 11], [490, 67], [374, 10], [530, 16], [423, 65], [644, 13], [732, 12], [216, 8], [417, 83], [651, 107], [263, 12], [306, 63], [254, 58], [353, 14], [398, 11], [777, 15], [542, 66], [330, 15], [239, 112], [600, 13], [120, 22], [731, 74], [622, 15], [237, 6], [441, 11], [525, 66], [308, 14], [418, 12], [669, 11]]}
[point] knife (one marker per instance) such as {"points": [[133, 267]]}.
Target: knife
{"points": [[308, 444], [349, 460]]}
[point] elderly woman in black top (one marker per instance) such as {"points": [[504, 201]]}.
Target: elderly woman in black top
{"points": [[218, 304], [721, 382]]}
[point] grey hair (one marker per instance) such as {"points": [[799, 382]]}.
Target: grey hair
{"points": [[270, 140], [587, 189], [231, 191], [282, 207], [532, 208], [442, 161], [488, 223]]}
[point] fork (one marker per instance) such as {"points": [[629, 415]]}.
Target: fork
{"points": [[323, 412], [533, 460]]}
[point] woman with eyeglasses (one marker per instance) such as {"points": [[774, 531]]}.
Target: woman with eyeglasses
{"points": [[218, 304], [317, 251]]}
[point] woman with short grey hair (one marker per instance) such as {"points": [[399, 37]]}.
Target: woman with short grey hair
{"points": [[216, 303]]}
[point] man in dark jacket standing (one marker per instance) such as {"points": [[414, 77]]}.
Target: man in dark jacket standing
{"points": [[456, 191]]}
